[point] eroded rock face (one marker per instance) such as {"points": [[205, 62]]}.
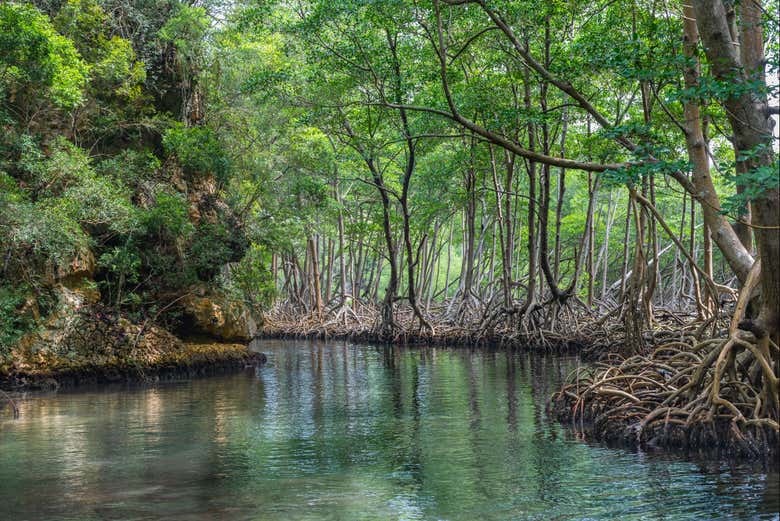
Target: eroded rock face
{"points": [[219, 318], [79, 329], [80, 332], [74, 285], [202, 196], [80, 267]]}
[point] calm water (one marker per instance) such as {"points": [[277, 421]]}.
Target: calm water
{"points": [[343, 432]]}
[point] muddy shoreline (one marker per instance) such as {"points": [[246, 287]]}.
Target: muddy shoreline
{"points": [[197, 360]]}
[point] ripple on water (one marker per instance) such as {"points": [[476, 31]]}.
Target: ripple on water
{"points": [[346, 432]]}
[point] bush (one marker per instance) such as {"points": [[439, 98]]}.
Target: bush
{"points": [[168, 217], [32, 235], [122, 267], [13, 323], [34, 56], [130, 168], [198, 150], [72, 188], [250, 279], [212, 247]]}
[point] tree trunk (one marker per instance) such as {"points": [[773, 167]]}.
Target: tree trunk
{"points": [[723, 234], [750, 123], [559, 206], [315, 274]]}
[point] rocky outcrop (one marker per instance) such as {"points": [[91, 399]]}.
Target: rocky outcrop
{"points": [[83, 341], [220, 318], [81, 267], [72, 330], [157, 356]]}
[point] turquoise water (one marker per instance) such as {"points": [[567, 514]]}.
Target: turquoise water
{"points": [[347, 432]]}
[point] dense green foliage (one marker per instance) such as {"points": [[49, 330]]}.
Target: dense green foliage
{"points": [[101, 162], [235, 143], [361, 87]]}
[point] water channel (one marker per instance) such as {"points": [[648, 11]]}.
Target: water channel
{"points": [[349, 432]]}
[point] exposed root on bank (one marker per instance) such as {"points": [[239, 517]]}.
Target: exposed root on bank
{"points": [[690, 392], [568, 330], [714, 393]]}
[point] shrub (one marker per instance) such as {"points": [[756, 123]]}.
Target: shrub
{"points": [[198, 150], [33, 55], [168, 217], [13, 323]]}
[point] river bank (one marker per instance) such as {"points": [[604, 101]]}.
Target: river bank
{"points": [[168, 358], [587, 336], [83, 341]]}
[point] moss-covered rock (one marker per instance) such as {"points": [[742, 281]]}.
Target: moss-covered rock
{"points": [[89, 347], [84, 341]]}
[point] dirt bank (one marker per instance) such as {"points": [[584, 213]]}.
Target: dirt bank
{"points": [[176, 360]]}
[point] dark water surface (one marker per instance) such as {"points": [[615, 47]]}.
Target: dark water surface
{"points": [[345, 432]]}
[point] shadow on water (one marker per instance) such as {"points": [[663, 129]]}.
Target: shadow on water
{"points": [[341, 431]]}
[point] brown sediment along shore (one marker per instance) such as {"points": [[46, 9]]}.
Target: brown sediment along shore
{"points": [[178, 360]]}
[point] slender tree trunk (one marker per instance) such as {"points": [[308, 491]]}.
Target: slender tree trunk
{"points": [[470, 230], [559, 206], [315, 275], [449, 261], [626, 238], [411, 155], [506, 262], [387, 325], [532, 206], [605, 248], [329, 271], [275, 271], [342, 264], [589, 232], [695, 285]]}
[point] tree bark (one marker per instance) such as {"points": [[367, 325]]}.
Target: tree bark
{"points": [[750, 123], [723, 234]]}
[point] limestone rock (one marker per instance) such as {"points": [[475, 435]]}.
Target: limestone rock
{"points": [[220, 318], [79, 333], [74, 283], [81, 266], [30, 309]]}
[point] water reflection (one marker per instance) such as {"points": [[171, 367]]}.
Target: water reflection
{"points": [[337, 431]]}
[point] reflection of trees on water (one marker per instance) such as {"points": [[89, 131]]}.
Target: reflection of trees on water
{"points": [[337, 430]]}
